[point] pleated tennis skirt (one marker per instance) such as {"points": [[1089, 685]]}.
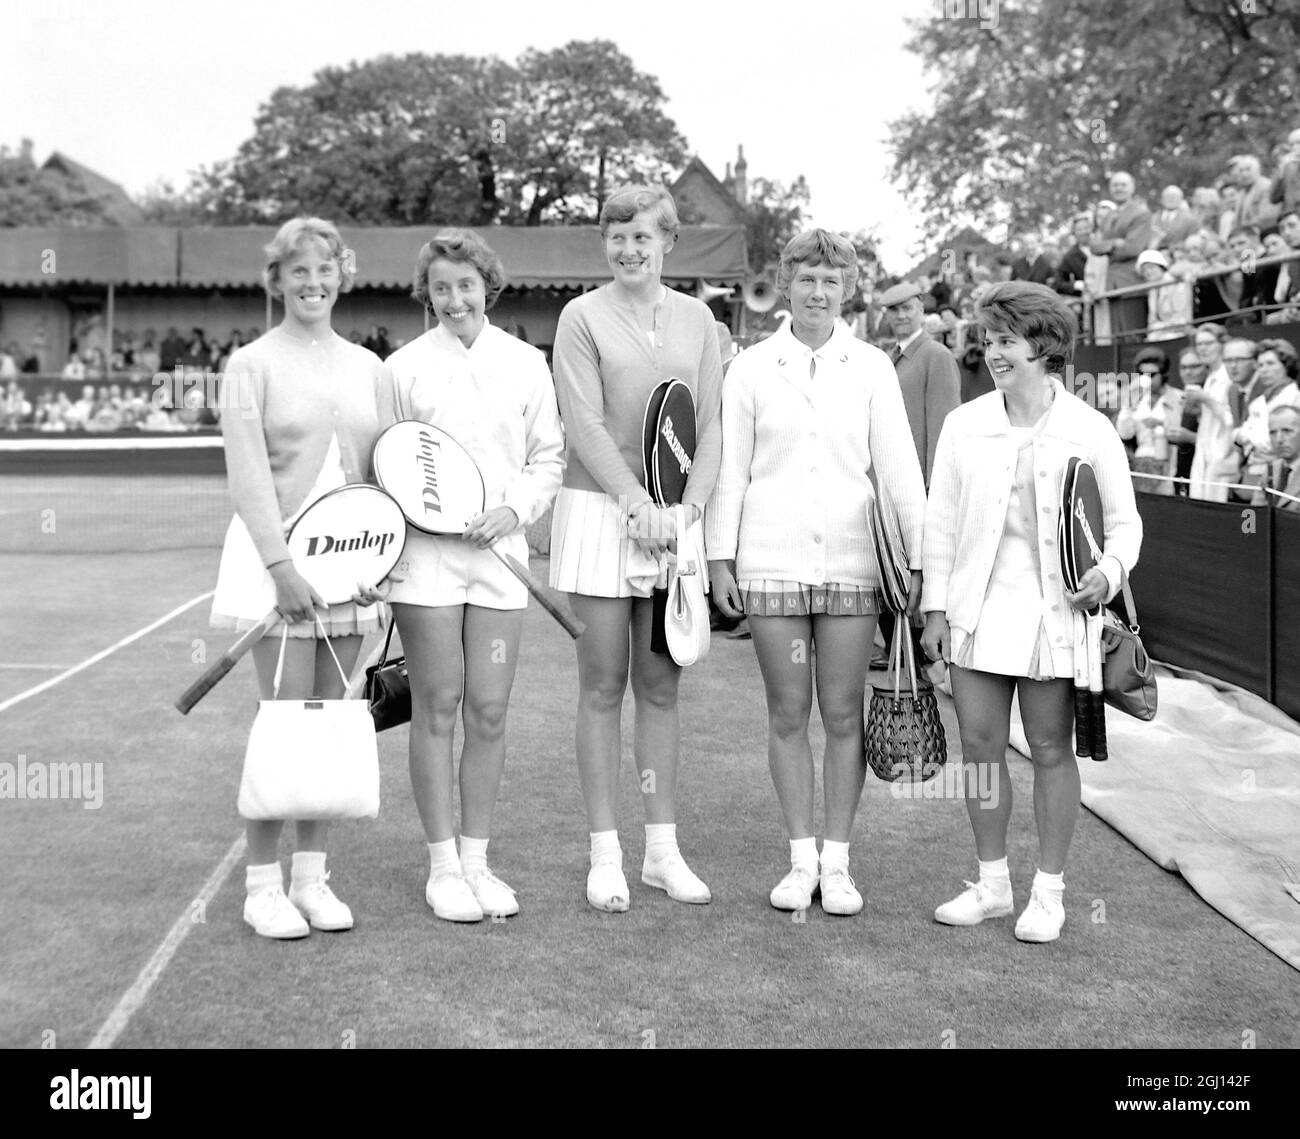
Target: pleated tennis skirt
{"points": [[591, 552]]}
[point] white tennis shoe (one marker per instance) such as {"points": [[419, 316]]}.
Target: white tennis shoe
{"points": [[839, 892], [1042, 919], [795, 891], [671, 873], [317, 903], [271, 914], [452, 899], [607, 888], [978, 901], [495, 898]]}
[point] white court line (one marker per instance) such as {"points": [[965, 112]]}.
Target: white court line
{"points": [[134, 997], [85, 664]]}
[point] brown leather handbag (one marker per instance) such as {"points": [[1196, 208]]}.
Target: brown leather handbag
{"points": [[1128, 678]]}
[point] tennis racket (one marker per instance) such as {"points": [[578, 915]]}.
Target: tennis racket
{"points": [[439, 489], [348, 537], [1081, 522], [667, 454]]}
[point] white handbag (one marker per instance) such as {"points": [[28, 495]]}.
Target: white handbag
{"points": [[310, 759], [686, 619]]}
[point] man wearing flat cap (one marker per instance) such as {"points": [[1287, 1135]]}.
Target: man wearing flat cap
{"points": [[927, 371]]}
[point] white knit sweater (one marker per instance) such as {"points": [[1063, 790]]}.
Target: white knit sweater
{"points": [[792, 497], [974, 470]]}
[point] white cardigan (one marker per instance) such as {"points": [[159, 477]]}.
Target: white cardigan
{"points": [[792, 497], [974, 471]]}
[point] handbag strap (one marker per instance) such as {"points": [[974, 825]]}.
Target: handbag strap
{"points": [[902, 635], [325, 636], [388, 640], [279, 664], [1129, 607], [685, 547]]}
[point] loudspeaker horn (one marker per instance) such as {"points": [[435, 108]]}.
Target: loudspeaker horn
{"points": [[760, 294], [706, 292]]}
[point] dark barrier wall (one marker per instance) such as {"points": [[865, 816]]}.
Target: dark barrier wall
{"points": [[1286, 611], [1202, 587]]}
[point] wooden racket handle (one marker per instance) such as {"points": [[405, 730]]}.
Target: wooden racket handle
{"points": [[213, 675], [570, 625], [1082, 723], [1100, 752]]}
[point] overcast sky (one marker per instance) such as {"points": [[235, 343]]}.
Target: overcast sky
{"points": [[141, 90]]}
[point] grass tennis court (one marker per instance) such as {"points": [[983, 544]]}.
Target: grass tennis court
{"points": [[89, 895]]}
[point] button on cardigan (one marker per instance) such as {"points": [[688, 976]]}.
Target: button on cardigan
{"points": [[975, 466], [793, 494]]}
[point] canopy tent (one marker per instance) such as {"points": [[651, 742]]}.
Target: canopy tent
{"points": [[552, 257]]}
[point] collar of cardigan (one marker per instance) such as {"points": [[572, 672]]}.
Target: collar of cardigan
{"points": [[987, 415]]}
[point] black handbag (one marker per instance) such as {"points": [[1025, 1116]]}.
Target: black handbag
{"points": [[388, 688], [904, 737], [1128, 678]]}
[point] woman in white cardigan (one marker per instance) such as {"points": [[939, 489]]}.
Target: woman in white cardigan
{"points": [[996, 605], [805, 414]]}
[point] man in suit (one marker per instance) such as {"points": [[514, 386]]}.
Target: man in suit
{"points": [[1254, 208], [1032, 264], [1069, 273], [927, 371], [1174, 222], [1284, 470], [1125, 234]]}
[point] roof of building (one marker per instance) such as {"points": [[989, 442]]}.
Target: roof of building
{"points": [[553, 257], [118, 205], [721, 206]]}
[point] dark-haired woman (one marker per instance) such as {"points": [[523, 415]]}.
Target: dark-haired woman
{"points": [[996, 605], [458, 609]]}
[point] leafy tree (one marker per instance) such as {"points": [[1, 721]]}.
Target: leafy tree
{"points": [[1031, 114], [773, 215], [585, 121], [402, 141], [32, 195], [447, 139]]}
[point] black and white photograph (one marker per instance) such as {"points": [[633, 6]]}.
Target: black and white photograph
{"points": [[650, 527]]}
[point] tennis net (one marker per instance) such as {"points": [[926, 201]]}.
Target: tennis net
{"points": [[112, 494]]}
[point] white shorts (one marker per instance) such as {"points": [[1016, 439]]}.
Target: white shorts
{"points": [[447, 570], [591, 552]]}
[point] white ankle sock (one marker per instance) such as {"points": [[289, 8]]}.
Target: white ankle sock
{"points": [[660, 841], [605, 848], [263, 877], [996, 874], [308, 866], [473, 853], [442, 858], [835, 854], [803, 852], [1053, 884]]}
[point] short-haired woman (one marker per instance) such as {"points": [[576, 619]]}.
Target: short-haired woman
{"points": [[995, 601], [459, 610], [609, 539], [303, 417], [807, 415]]}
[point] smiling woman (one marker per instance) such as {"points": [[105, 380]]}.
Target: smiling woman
{"points": [[303, 414]]}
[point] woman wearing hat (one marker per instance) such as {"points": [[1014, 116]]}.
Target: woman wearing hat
{"points": [[995, 602], [806, 415], [610, 541], [1169, 303]]}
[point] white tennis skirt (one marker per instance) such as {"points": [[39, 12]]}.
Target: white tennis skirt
{"points": [[591, 552]]}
